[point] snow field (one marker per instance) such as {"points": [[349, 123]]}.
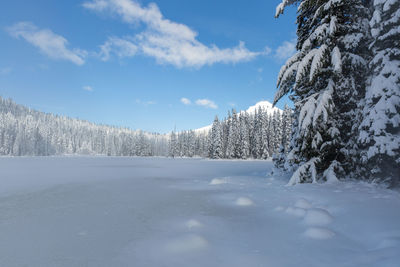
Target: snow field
{"points": [[163, 212]]}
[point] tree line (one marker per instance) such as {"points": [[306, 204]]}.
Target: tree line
{"points": [[27, 132], [238, 136]]}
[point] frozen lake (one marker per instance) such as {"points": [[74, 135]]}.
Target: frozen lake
{"points": [[83, 211]]}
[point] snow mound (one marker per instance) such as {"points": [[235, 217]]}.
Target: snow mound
{"points": [[299, 212], [217, 181], [303, 204], [187, 244], [193, 224], [319, 233], [318, 217], [244, 201]]}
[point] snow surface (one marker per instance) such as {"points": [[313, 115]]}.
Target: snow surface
{"points": [[99, 211]]}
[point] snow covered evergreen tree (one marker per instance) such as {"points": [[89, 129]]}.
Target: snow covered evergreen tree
{"points": [[233, 136], [265, 137], [244, 137], [280, 157], [215, 146], [286, 128], [173, 145], [325, 78], [379, 136]]}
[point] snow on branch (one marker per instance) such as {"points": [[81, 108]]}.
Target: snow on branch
{"points": [[286, 75], [281, 7], [336, 60], [318, 61], [304, 65], [305, 172]]}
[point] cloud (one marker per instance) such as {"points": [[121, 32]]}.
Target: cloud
{"points": [[286, 50], [186, 101], [49, 43], [87, 88], [167, 41], [145, 103], [206, 103], [120, 47]]}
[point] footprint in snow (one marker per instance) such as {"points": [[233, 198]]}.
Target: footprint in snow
{"points": [[244, 201]]}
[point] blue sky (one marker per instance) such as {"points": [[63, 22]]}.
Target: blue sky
{"points": [[146, 65]]}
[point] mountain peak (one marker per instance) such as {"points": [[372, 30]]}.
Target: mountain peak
{"points": [[264, 104]]}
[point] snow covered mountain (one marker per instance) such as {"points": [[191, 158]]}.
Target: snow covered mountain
{"points": [[265, 106]]}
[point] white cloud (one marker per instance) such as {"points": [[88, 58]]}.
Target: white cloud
{"points": [[186, 101], [49, 43], [87, 88], [168, 41], [120, 47], [145, 103], [206, 103], [286, 50]]}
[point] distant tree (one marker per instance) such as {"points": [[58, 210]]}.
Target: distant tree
{"points": [[215, 146]]}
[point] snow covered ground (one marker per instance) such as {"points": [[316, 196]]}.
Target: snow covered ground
{"points": [[82, 211]]}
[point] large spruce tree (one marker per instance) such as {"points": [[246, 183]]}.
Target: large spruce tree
{"points": [[325, 79], [379, 136]]}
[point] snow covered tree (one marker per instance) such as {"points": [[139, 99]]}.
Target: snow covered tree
{"points": [[215, 145], [280, 157], [244, 145], [325, 78], [173, 146], [233, 136], [286, 128], [265, 136], [379, 136]]}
